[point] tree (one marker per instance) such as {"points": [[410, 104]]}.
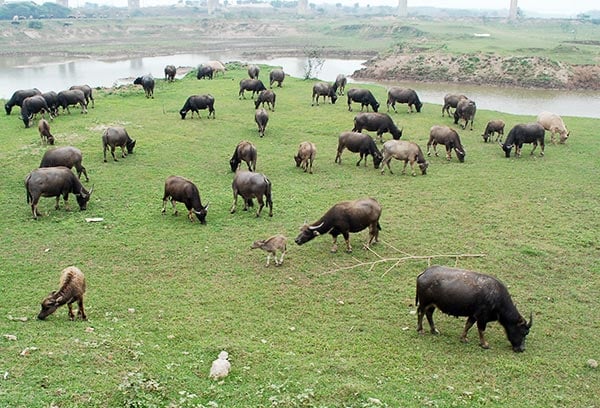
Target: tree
{"points": [[314, 61]]}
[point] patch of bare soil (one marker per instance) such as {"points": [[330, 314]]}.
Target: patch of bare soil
{"points": [[529, 72]]}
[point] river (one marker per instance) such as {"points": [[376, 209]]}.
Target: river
{"points": [[46, 73]]}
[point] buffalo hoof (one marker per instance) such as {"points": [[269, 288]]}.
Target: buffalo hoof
{"points": [[484, 345]]}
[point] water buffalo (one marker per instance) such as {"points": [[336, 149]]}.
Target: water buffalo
{"points": [[358, 143], [405, 151], [362, 96], [195, 103], [180, 189], [254, 85], [451, 101], [449, 138], [67, 156], [479, 297], [493, 126], [51, 98], [344, 218], [71, 289], [244, 151], [261, 117], [306, 156], [205, 71], [147, 82], [379, 122], [18, 97], [44, 129], [267, 96], [31, 106], [271, 245], [72, 97], [217, 66], [54, 182], [524, 133], [170, 72], [325, 90], [253, 71], [465, 110], [87, 92], [276, 75], [554, 124], [251, 185], [117, 136], [403, 95], [340, 83]]}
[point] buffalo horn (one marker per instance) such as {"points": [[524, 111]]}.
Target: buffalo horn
{"points": [[314, 227], [90, 192], [530, 320]]}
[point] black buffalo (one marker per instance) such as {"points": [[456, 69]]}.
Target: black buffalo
{"points": [[51, 98], [481, 298], [325, 90], [72, 97], [87, 92], [376, 122], [524, 133], [254, 85], [117, 136], [344, 218], [362, 96], [54, 182], [261, 117], [67, 156], [267, 96], [358, 143], [205, 71], [253, 71], [251, 185], [451, 101], [18, 97], [184, 191], [244, 151], [147, 82], [465, 110], [403, 95], [276, 75], [340, 83], [31, 106], [195, 103], [449, 138], [170, 72]]}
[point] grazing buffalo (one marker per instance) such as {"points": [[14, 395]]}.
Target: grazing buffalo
{"points": [[205, 71], [479, 297], [261, 117], [403, 95], [379, 122], [217, 66], [117, 136], [276, 75], [449, 138], [71, 289], [196, 103], [340, 83], [358, 143], [254, 85], [51, 98], [465, 110], [44, 129], [252, 185], [253, 71], [364, 97], [554, 124], [451, 101], [87, 92], [244, 151], [54, 182], [170, 72], [72, 97], [325, 90], [67, 156], [31, 106], [493, 126], [147, 82], [18, 97], [524, 133], [182, 190], [344, 218], [405, 151], [306, 156], [267, 96]]}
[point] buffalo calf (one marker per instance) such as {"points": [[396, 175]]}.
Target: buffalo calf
{"points": [[71, 289]]}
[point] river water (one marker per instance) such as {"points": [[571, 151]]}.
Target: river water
{"points": [[46, 73]]}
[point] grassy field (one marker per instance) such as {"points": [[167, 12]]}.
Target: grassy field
{"points": [[165, 296]]}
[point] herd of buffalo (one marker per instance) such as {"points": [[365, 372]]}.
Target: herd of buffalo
{"points": [[481, 298]]}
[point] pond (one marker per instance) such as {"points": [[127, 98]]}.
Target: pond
{"points": [[46, 73]]}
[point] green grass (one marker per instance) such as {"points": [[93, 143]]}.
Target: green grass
{"points": [[165, 296]]}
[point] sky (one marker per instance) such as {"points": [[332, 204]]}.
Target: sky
{"points": [[569, 7]]}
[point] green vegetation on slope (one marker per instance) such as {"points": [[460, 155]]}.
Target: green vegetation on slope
{"points": [[165, 296]]}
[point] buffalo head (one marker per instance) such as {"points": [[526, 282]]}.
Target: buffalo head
{"points": [[307, 232], [461, 155], [423, 166], [377, 159], [7, 108], [516, 334], [507, 148], [333, 97], [201, 215], [49, 305], [137, 81], [418, 106], [130, 146], [83, 197]]}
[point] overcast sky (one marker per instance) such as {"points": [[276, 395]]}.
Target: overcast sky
{"points": [[568, 7]]}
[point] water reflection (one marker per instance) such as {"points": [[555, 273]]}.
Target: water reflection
{"points": [[47, 74]]}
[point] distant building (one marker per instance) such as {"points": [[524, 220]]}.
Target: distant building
{"points": [[64, 3], [133, 4]]}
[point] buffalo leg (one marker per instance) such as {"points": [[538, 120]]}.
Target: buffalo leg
{"points": [[428, 311], [123, 154], [347, 239], [448, 153], [112, 152], [71, 314], [470, 322], [373, 234], [404, 167], [534, 147], [335, 246], [281, 259], [481, 328], [80, 309], [261, 204], [56, 207], [234, 205]]}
